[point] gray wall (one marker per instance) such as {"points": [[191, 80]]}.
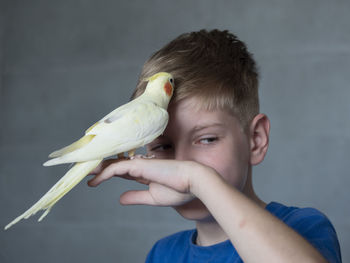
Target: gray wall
{"points": [[2, 20], [64, 64]]}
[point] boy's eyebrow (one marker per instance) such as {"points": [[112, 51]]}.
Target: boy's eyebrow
{"points": [[205, 126], [160, 137]]}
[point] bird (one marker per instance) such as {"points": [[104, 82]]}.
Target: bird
{"points": [[125, 129]]}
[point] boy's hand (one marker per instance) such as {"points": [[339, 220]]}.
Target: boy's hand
{"points": [[169, 181], [172, 183]]}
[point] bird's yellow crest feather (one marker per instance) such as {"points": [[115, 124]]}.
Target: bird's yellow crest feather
{"points": [[153, 77]]}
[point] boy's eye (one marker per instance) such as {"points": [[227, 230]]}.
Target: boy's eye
{"points": [[207, 140], [161, 147]]}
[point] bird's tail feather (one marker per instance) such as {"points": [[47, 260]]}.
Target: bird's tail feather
{"points": [[72, 147], [63, 186]]}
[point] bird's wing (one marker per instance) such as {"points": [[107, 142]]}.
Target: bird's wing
{"points": [[91, 132], [139, 124], [114, 115]]}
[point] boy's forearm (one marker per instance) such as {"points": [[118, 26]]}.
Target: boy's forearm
{"points": [[257, 235]]}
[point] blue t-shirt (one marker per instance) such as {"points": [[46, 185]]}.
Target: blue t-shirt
{"points": [[308, 222]]}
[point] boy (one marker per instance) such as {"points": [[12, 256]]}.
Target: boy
{"points": [[203, 163]]}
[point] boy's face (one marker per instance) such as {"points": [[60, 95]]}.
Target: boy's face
{"points": [[212, 138]]}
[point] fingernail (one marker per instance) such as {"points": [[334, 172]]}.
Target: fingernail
{"points": [[90, 183]]}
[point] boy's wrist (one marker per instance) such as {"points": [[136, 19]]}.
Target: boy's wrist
{"points": [[201, 179]]}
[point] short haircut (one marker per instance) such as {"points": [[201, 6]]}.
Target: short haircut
{"points": [[213, 66]]}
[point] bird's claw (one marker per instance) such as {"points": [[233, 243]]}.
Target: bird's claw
{"points": [[142, 156]]}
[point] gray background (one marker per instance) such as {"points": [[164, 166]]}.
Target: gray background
{"points": [[65, 64]]}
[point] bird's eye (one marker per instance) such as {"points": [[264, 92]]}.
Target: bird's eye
{"points": [[171, 80]]}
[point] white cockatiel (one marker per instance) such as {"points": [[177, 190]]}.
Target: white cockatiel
{"points": [[125, 129]]}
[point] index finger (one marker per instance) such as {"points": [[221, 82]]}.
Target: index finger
{"points": [[103, 165]]}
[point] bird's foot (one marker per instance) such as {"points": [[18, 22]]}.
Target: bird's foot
{"points": [[142, 156]]}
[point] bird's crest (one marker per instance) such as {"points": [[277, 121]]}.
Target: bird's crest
{"points": [[153, 77]]}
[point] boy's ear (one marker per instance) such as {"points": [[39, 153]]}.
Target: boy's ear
{"points": [[259, 138]]}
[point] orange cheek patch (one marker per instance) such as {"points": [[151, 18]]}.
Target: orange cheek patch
{"points": [[168, 89]]}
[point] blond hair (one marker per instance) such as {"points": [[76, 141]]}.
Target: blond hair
{"points": [[213, 66]]}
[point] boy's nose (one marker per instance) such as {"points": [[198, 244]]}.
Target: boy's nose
{"points": [[182, 155]]}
